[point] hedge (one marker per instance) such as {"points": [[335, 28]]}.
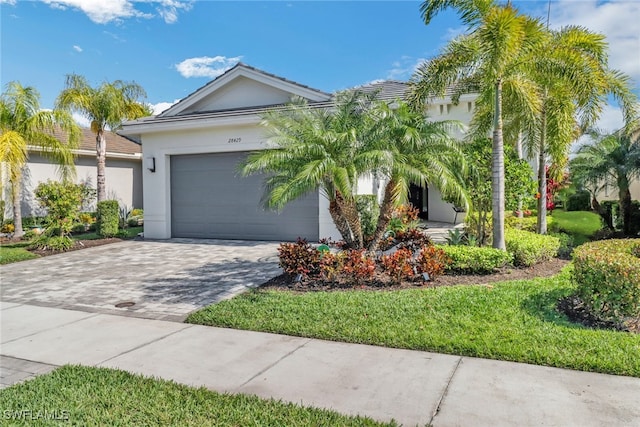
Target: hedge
{"points": [[607, 273], [530, 248], [108, 218], [475, 260]]}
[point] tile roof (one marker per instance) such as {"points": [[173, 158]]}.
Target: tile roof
{"points": [[115, 143]]}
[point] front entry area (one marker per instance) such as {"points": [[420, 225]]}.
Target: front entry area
{"points": [[209, 199], [419, 198]]}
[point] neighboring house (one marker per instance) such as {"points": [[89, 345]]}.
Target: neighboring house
{"points": [[123, 172], [192, 150]]}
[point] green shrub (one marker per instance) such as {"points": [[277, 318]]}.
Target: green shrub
{"points": [[55, 243], [63, 201], [579, 201], [528, 223], [475, 260], [567, 243], [369, 210], [530, 248], [607, 273], [108, 218]]}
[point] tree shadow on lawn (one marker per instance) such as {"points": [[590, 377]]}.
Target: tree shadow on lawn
{"points": [[544, 305]]}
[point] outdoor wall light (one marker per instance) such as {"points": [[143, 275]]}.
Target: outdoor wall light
{"points": [[151, 163]]}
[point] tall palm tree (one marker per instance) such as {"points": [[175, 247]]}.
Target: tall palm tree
{"points": [[405, 148], [24, 127], [613, 159], [574, 80], [487, 60], [106, 107]]}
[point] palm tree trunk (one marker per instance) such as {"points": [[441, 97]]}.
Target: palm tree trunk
{"points": [[541, 226], [101, 157], [520, 157], [340, 222], [386, 210], [497, 173], [16, 188], [625, 205], [351, 215]]}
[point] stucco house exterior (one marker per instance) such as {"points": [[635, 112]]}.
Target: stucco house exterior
{"points": [[191, 153], [123, 172]]}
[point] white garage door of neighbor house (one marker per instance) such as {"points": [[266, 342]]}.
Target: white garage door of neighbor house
{"points": [[209, 199]]}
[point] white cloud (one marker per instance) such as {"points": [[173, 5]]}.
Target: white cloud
{"points": [[206, 66], [81, 120], [403, 68], [103, 12], [161, 106], [617, 20], [11, 2], [77, 48]]}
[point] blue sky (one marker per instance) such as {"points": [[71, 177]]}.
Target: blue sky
{"points": [[173, 47]]}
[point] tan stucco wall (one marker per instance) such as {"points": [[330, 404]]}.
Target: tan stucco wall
{"points": [[123, 177]]}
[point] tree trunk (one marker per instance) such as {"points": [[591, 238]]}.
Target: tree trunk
{"points": [[340, 222], [520, 157], [497, 173], [541, 226], [625, 206], [351, 215], [16, 193], [101, 157], [386, 210]]}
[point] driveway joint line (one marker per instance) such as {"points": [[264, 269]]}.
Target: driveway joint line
{"points": [[146, 343], [444, 392], [262, 371], [89, 316]]}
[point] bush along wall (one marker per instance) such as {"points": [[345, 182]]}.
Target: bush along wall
{"points": [[607, 273], [108, 218], [530, 248], [475, 260]]}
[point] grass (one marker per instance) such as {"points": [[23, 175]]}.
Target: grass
{"points": [[580, 224], [100, 396], [514, 321], [14, 252]]}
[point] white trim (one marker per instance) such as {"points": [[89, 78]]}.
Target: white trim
{"points": [[187, 123]]}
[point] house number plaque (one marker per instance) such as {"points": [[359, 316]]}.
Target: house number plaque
{"points": [[234, 140]]}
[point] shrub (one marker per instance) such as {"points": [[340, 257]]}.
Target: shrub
{"points": [[358, 266], [528, 223], [413, 239], [530, 248], [108, 218], [332, 265], [404, 217], [567, 244], [369, 211], [608, 277], [62, 201], [475, 260], [398, 265], [54, 243], [433, 261], [579, 201], [7, 227], [137, 212], [299, 258]]}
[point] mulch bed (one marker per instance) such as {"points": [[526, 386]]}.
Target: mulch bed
{"points": [[544, 269], [576, 311], [80, 244]]}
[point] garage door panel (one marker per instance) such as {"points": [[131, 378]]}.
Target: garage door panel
{"points": [[209, 199]]}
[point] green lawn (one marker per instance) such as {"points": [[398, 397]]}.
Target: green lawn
{"points": [[514, 321], [98, 396], [582, 225]]}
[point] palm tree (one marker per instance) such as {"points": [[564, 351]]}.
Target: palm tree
{"points": [[571, 72], [315, 148], [405, 148], [488, 60], [24, 127], [613, 159], [106, 106]]}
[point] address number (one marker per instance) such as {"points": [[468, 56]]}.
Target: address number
{"points": [[234, 140]]}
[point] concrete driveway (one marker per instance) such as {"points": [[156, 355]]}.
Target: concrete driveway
{"points": [[165, 279]]}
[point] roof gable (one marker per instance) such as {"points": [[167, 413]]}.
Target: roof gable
{"points": [[243, 87]]}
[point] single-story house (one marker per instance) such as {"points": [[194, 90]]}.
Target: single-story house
{"points": [[191, 153], [123, 172]]}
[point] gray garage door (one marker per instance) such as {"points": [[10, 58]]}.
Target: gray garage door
{"points": [[210, 200]]}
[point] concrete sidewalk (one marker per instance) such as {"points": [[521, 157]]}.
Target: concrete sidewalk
{"points": [[412, 387]]}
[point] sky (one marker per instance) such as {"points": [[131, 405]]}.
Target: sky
{"points": [[173, 47]]}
